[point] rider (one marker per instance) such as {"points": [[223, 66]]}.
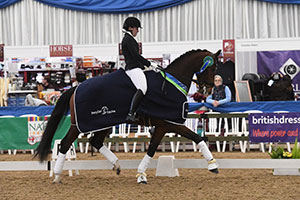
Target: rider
{"points": [[134, 63]]}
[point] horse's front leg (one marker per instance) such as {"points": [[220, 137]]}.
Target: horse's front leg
{"points": [[64, 147], [187, 133], [157, 135], [97, 142]]}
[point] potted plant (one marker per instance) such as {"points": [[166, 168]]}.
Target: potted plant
{"points": [[280, 153]]}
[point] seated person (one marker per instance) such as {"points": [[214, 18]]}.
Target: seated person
{"points": [[31, 101], [280, 87], [220, 93]]}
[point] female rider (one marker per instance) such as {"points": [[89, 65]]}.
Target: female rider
{"points": [[134, 63]]}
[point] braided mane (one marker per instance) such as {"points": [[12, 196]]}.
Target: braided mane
{"points": [[183, 56]]}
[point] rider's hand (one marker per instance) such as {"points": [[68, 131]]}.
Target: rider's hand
{"points": [[154, 65]]}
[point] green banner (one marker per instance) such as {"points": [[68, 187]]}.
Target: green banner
{"points": [[26, 132]]}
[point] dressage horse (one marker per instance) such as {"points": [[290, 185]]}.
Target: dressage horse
{"points": [[86, 117]]}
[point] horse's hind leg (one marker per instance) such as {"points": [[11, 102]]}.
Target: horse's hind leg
{"points": [[158, 134], [97, 142], [64, 147], [187, 133]]}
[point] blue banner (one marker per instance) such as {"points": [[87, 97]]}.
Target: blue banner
{"points": [[5, 3], [264, 106], [283, 1], [114, 6], [271, 127], [120, 6]]}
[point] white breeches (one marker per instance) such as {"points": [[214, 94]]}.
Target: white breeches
{"points": [[138, 78]]}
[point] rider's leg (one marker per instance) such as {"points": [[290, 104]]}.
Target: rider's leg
{"points": [[138, 78], [135, 102]]}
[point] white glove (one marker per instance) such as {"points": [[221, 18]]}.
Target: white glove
{"points": [[147, 68], [154, 65]]}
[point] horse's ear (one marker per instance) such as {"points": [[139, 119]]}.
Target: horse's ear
{"points": [[217, 54]]}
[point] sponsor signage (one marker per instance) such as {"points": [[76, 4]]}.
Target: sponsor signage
{"points": [[228, 50], [286, 62], [274, 127], [36, 127], [61, 50]]}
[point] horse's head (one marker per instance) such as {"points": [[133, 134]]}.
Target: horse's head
{"points": [[199, 62], [206, 70]]}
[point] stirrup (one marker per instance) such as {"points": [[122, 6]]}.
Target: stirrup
{"points": [[131, 117], [141, 178]]}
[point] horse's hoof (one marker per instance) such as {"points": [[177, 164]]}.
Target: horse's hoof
{"points": [[117, 167], [57, 180], [215, 171], [143, 182], [141, 178]]}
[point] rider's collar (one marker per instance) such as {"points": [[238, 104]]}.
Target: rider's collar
{"points": [[180, 86], [125, 31]]}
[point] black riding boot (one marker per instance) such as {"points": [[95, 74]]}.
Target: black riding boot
{"points": [[136, 100]]}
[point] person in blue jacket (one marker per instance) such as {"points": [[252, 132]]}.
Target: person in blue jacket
{"points": [[220, 93]]}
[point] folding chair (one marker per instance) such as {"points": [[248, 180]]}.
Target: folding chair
{"points": [[142, 131], [233, 130], [214, 128], [193, 125], [122, 131]]}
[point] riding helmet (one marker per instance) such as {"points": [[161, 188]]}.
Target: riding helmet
{"points": [[131, 22]]}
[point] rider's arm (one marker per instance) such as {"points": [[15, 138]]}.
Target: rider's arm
{"points": [[134, 52], [209, 99]]}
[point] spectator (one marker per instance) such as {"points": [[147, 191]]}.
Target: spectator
{"points": [[30, 101], [220, 93], [47, 83]]}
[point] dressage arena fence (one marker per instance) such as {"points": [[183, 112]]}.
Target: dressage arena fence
{"points": [[169, 139], [164, 165]]}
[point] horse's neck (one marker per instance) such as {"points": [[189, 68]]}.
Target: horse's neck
{"points": [[182, 75]]}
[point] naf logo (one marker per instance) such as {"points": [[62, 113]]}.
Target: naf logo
{"points": [[290, 68], [36, 128]]}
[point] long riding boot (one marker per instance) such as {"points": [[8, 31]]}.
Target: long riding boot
{"points": [[136, 100]]}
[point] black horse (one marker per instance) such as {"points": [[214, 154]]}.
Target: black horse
{"points": [[176, 78]]}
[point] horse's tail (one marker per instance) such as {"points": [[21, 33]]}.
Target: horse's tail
{"points": [[59, 110]]}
